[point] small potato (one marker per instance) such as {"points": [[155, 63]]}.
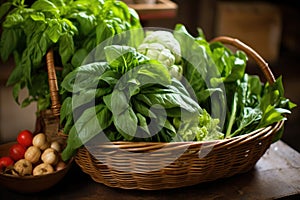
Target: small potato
{"points": [[23, 167], [42, 169], [50, 156]]}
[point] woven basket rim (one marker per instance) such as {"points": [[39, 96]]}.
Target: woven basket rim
{"points": [[262, 132]]}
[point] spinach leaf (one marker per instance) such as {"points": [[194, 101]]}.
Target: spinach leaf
{"points": [[119, 102], [126, 123], [274, 104], [141, 108], [92, 121], [142, 128], [84, 77], [66, 109], [123, 58], [200, 70], [169, 100], [231, 66]]}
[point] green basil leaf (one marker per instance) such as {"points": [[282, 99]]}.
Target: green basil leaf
{"points": [[26, 102], [9, 42], [58, 3], [38, 16], [16, 90], [45, 6], [12, 20], [78, 57], [120, 10], [86, 22], [4, 8], [54, 30], [66, 47], [73, 143], [43, 103], [16, 75], [36, 55], [103, 32]]}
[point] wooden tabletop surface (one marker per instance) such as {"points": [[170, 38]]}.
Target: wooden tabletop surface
{"points": [[275, 176]]}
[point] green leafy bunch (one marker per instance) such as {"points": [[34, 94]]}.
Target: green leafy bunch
{"points": [[217, 76], [130, 97], [72, 28]]}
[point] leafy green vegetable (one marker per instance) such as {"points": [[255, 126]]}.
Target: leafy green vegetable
{"points": [[140, 103], [92, 121], [217, 76], [199, 71], [71, 28]]}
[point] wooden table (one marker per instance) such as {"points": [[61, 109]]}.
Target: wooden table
{"points": [[276, 175]]}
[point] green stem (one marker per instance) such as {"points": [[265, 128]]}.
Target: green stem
{"points": [[232, 116]]}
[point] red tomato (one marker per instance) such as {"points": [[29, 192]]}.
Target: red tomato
{"points": [[6, 162], [17, 151], [25, 138]]}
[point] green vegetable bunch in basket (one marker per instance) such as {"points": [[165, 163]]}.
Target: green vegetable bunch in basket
{"points": [[146, 118], [155, 109]]}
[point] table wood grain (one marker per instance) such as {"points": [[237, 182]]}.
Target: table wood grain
{"points": [[275, 176]]}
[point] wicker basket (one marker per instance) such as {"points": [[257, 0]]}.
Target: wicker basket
{"points": [[155, 166]]}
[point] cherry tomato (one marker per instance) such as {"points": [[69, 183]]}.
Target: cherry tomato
{"points": [[25, 138], [17, 151], [6, 161]]}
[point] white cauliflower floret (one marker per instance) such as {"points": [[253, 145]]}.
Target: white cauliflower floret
{"points": [[163, 47]]}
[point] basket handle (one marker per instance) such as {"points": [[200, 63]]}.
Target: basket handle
{"points": [[52, 81], [250, 52]]}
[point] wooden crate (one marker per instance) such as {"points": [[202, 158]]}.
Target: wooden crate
{"points": [[255, 23]]}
